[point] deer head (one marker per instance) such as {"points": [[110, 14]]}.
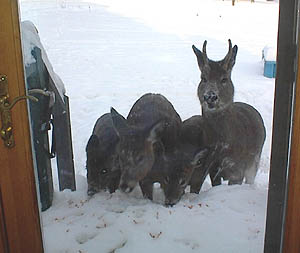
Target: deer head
{"points": [[215, 90], [135, 149], [178, 168]]}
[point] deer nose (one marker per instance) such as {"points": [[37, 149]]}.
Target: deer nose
{"points": [[170, 202], [210, 97], [170, 205], [91, 192]]}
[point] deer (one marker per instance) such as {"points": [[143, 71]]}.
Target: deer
{"points": [[103, 170], [173, 170], [236, 130], [151, 149], [152, 126]]}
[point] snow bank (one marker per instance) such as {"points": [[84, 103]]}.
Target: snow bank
{"points": [[31, 39], [269, 53]]}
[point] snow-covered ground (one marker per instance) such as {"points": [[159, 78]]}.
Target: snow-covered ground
{"points": [[109, 53]]}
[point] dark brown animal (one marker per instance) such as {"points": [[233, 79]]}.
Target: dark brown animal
{"points": [[103, 171], [151, 121], [173, 170]]}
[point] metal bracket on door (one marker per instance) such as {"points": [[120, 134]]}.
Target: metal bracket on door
{"points": [[6, 131]]}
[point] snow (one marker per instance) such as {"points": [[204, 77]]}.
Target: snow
{"points": [[30, 39], [109, 53], [269, 53]]}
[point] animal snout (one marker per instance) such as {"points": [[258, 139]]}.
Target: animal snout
{"points": [[91, 192], [171, 202], [210, 97]]}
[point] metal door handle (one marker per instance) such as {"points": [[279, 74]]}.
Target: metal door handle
{"points": [[6, 131]]}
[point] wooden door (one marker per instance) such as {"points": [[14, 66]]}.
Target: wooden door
{"points": [[3, 235], [292, 220], [19, 213], [283, 215]]}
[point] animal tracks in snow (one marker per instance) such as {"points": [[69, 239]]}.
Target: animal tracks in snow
{"points": [[84, 237], [119, 246]]}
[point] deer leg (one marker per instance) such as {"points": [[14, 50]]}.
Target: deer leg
{"points": [[114, 184], [215, 177], [195, 181], [147, 188], [250, 173], [195, 185], [250, 176], [93, 182], [197, 178], [236, 177], [235, 181]]}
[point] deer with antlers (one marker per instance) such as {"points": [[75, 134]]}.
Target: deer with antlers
{"points": [[236, 130]]}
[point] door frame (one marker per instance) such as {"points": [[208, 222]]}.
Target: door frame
{"points": [[20, 229], [282, 220], [20, 218]]}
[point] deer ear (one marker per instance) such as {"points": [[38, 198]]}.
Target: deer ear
{"points": [[119, 122], [154, 131], [200, 156], [200, 57]]}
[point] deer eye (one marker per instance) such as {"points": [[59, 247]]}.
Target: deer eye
{"points": [[104, 171], [167, 180], [224, 81]]}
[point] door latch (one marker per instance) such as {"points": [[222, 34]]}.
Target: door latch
{"points": [[6, 131]]}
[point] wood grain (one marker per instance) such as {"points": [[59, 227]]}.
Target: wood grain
{"points": [[292, 220], [16, 167], [3, 234]]}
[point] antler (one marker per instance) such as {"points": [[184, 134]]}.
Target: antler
{"points": [[228, 56], [205, 58]]}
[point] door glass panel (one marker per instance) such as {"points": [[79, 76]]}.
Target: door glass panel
{"points": [[105, 54]]}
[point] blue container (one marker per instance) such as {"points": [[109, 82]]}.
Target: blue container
{"points": [[270, 69]]}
